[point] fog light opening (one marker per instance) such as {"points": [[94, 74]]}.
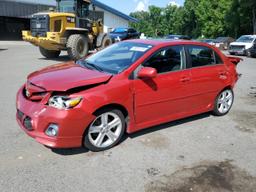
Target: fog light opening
{"points": [[52, 130]]}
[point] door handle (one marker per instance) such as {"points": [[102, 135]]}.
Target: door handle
{"points": [[185, 79]]}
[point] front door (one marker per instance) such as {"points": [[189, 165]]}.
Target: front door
{"points": [[167, 95]]}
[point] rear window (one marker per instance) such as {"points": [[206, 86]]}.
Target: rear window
{"points": [[203, 56]]}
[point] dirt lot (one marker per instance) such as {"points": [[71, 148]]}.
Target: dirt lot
{"points": [[201, 153]]}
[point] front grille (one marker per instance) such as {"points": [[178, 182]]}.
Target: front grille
{"points": [[28, 124], [25, 120], [237, 47], [39, 25], [20, 115]]}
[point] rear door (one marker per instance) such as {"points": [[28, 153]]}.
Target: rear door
{"points": [[208, 75]]}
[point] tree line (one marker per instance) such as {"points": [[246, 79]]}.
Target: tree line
{"points": [[199, 18]]}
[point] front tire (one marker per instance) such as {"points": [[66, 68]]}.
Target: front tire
{"points": [[77, 46], [223, 102], [49, 53], [105, 131], [248, 53]]}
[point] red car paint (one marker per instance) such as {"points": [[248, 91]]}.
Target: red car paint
{"points": [[148, 102]]}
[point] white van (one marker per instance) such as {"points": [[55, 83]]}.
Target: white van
{"points": [[242, 45]]}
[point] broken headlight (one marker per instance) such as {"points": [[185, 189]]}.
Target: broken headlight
{"points": [[64, 102]]}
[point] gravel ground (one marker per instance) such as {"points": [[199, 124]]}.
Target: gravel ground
{"points": [[201, 153]]}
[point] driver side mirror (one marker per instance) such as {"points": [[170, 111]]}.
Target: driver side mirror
{"points": [[147, 73]]}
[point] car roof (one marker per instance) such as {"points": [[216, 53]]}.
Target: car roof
{"points": [[248, 36], [175, 35], [163, 42], [123, 28], [223, 37]]}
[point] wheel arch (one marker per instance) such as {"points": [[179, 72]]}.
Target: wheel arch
{"points": [[227, 87], [69, 32], [113, 106]]}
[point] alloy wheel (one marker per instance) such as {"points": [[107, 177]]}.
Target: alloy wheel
{"points": [[225, 101], [105, 130]]}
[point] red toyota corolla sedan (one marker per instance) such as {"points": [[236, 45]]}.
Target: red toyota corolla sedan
{"points": [[126, 87]]}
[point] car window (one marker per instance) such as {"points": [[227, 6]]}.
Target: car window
{"points": [[120, 30], [167, 59], [245, 39], [218, 59], [203, 56], [132, 30]]}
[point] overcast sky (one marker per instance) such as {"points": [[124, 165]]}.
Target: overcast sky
{"points": [[125, 6]]}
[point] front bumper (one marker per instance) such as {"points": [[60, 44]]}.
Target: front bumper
{"points": [[241, 51], [52, 41], [237, 52], [72, 123]]}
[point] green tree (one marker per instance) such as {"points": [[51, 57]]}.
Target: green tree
{"points": [[190, 25], [211, 17], [199, 18], [250, 7], [172, 20]]}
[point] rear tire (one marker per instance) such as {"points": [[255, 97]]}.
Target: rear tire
{"points": [[223, 102], [49, 53], [106, 41], [105, 131], [77, 46]]}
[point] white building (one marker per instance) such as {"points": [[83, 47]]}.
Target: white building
{"points": [[112, 17]]}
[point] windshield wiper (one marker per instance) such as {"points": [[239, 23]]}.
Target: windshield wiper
{"points": [[89, 65]]}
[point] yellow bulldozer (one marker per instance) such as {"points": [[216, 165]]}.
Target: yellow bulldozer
{"points": [[67, 29]]}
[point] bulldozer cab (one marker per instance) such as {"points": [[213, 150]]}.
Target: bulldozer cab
{"points": [[78, 7]]}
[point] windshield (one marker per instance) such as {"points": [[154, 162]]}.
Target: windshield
{"points": [[245, 39], [173, 37], [221, 39], [66, 6], [207, 40], [120, 30], [116, 58]]}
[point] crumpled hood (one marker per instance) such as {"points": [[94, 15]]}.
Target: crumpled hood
{"points": [[247, 45], [62, 77]]}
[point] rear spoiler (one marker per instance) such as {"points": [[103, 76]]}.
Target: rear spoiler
{"points": [[235, 60]]}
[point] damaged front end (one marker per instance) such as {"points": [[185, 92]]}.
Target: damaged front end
{"points": [[55, 118]]}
